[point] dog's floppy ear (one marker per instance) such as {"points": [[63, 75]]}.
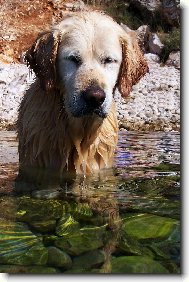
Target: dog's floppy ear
{"points": [[133, 65], [41, 58]]}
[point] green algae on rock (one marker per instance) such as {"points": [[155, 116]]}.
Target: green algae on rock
{"points": [[30, 209], [130, 246], [58, 258], [157, 195], [35, 269], [49, 240], [44, 226], [154, 187], [82, 240], [82, 271], [67, 225], [8, 207], [80, 211], [18, 245], [168, 249], [149, 226], [89, 260], [136, 264]]}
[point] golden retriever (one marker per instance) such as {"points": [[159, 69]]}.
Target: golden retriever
{"points": [[67, 118]]}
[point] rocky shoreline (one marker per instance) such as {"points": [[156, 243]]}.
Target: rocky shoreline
{"points": [[153, 104]]}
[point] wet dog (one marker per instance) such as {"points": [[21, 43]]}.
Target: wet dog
{"points": [[67, 119]]}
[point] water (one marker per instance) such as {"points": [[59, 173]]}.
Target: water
{"points": [[123, 220]]}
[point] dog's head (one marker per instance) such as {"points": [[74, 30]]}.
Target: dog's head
{"points": [[86, 57]]}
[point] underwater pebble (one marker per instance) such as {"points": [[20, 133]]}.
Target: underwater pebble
{"points": [[58, 258], [136, 264], [89, 260]]}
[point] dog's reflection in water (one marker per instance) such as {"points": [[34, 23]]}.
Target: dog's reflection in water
{"points": [[96, 191]]}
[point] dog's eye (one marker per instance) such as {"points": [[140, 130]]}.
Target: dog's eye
{"points": [[108, 60], [75, 59]]}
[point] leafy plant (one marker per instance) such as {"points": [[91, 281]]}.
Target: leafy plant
{"points": [[171, 42]]}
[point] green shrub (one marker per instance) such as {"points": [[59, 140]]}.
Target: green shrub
{"points": [[118, 9], [130, 20], [171, 42]]}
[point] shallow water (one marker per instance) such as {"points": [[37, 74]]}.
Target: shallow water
{"points": [[124, 220]]}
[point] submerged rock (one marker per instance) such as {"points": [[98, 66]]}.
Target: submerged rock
{"points": [[58, 258], [49, 240], [44, 226], [30, 209], [19, 246], [81, 211], [8, 207], [82, 271], [47, 193], [129, 246], [136, 264], [158, 195], [16, 269], [149, 227], [168, 249], [82, 240], [67, 226], [89, 260]]}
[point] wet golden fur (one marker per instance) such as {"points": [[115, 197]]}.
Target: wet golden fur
{"points": [[49, 136]]}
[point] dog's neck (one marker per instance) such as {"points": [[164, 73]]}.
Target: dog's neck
{"points": [[52, 139], [84, 128], [93, 138]]}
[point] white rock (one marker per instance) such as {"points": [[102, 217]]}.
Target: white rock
{"points": [[174, 59], [14, 80], [152, 57], [155, 45]]}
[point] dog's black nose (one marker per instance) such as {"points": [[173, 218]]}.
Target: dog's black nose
{"points": [[94, 96]]}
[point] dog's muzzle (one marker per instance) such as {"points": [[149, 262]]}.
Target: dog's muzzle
{"points": [[88, 102], [94, 97]]}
